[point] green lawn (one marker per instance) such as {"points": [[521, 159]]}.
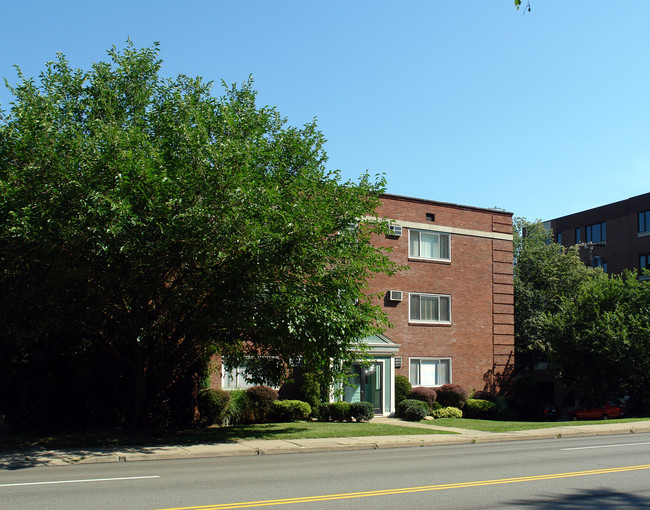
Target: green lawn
{"points": [[298, 430], [510, 426]]}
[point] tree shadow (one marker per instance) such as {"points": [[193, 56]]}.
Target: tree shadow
{"points": [[585, 499]]}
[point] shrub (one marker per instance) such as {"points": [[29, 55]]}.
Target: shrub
{"points": [[305, 386], [290, 410], [447, 412], [340, 411], [212, 405], [452, 395], [427, 395], [362, 411], [238, 410], [261, 400], [323, 411], [503, 411], [405, 404], [310, 389], [436, 405], [484, 395], [479, 408], [416, 412], [402, 388]]}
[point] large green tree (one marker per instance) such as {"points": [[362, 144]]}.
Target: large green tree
{"points": [[600, 337], [544, 273], [146, 224]]}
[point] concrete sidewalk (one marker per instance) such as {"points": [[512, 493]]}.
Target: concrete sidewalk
{"points": [[43, 457]]}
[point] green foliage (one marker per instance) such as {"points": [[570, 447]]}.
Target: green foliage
{"points": [[303, 386], [447, 412], [310, 389], [477, 408], [323, 412], [260, 399], [400, 411], [290, 410], [600, 338], [212, 405], [341, 411], [147, 221], [362, 411], [544, 273], [415, 413], [402, 388], [424, 394], [452, 395], [238, 410]]}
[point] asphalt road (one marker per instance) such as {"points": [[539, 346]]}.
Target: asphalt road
{"points": [[571, 473]]}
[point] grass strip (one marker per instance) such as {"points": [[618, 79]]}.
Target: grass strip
{"points": [[512, 426], [211, 435]]}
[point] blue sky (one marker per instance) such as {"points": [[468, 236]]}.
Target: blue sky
{"points": [[542, 113]]}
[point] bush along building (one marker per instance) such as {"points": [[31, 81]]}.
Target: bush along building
{"points": [[614, 236], [452, 311]]}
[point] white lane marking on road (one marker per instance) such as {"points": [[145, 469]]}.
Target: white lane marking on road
{"points": [[604, 446], [79, 481]]}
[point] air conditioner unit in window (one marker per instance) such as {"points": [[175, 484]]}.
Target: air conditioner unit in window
{"points": [[395, 295], [395, 230], [398, 362]]}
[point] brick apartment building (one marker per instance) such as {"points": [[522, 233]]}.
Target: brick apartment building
{"points": [[455, 320], [615, 236], [452, 312]]}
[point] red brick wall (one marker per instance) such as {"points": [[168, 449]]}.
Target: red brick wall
{"points": [[480, 338]]}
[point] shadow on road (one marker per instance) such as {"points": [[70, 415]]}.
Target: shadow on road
{"points": [[586, 500]]}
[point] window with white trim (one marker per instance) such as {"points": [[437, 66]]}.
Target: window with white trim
{"points": [[429, 371], [236, 379], [428, 245], [433, 308]]}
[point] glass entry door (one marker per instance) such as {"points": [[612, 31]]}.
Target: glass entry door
{"points": [[370, 384]]}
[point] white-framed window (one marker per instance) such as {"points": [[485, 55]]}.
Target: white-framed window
{"points": [[429, 308], [235, 379], [429, 371], [428, 245]]}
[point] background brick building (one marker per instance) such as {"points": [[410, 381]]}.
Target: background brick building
{"points": [[615, 236]]}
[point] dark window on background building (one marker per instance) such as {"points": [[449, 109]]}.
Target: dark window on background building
{"points": [[559, 238], [596, 233], [599, 262], [644, 262], [644, 221], [578, 240]]}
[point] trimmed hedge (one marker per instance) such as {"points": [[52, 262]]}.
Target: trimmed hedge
{"points": [[334, 411], [416, 413], [341, 411], [480, 409], [212, 405], [290, 410], [261, 400], [404, 405], [447, 412], [402, 388], [424, 394], [362, 411], [452, 395]]}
